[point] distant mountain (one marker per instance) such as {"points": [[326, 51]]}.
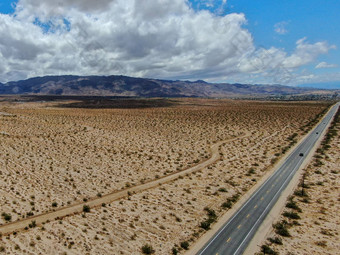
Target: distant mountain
{"points": [[140, 87]]}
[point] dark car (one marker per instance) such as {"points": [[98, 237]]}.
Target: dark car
{"points": [[301, 154]]}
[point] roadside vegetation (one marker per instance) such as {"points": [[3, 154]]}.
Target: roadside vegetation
{"points": [[309, 220]]}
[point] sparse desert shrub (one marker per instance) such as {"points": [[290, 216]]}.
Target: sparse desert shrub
{"points": [[305, 200], [300, 193], [293, 205], [147, 249], [291, 215], [267, 250], [250, 172], [6, 216], [29, 214], [234, 198], [86, 208], [185, 245], [54, 204], [273, 161], [222, 190], [174, 251], [33, 224], [211, 218], [276, 240], [227, 204], [211, 212], [205, 225], [281, 229]]}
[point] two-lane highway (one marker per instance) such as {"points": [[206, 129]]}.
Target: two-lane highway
{"points": [[236, 234]]}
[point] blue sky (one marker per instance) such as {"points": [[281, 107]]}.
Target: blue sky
{"points": [[315, 19], [6, 6], [318, 20], [276, 25]]}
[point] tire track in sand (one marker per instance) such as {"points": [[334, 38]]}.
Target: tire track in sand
{"points": [[95, 202]]}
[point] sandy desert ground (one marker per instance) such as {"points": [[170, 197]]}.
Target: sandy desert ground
{"points": [[311, 217], [54, 157]]}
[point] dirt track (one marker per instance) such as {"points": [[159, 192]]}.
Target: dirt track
{"points": [[95, 202]]}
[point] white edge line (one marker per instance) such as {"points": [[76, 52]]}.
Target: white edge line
{"points": [[278, 192]]}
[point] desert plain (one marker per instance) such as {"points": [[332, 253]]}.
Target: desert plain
{"points": [[58, 154]]}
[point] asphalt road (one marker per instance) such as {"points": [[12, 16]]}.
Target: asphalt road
{"points": [[237, 233]]}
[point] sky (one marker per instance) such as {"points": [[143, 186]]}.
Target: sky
{"points": [[238, 41]]}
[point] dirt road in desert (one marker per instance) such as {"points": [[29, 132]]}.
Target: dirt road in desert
{"points": [[95, 202]]}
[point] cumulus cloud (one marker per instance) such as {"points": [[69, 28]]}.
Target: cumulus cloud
{"points": [[48, 8], [306, 53], [149, 38], [325, 65], [277, 65]]}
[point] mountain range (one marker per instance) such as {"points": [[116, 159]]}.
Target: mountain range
{"points": [[117, 85]]}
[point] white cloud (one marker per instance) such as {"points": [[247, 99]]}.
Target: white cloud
{"points": [[47, 8], [276, 66], [325, 65], [306, 53], [320, 78], [280, 27], [149, 38]]}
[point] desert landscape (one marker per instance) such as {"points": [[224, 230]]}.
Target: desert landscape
{"points": [[57, 155], [310, 221]]}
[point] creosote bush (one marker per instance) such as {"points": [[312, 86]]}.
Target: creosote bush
{"points": [[6, 216], [267, 250], [281, 229], [174, 251], [276, 240], [291, 215], [211, 218], [185, 245], [147, 249], [86, 208], [293, 205]]}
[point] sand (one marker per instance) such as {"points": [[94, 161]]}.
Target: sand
{"points": [[58, 157]]}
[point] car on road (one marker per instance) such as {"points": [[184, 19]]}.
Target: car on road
{"points": [[317, 133], [301, 154]]}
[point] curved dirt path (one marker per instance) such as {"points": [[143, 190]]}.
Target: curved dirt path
{"points": [[95, 202]]}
